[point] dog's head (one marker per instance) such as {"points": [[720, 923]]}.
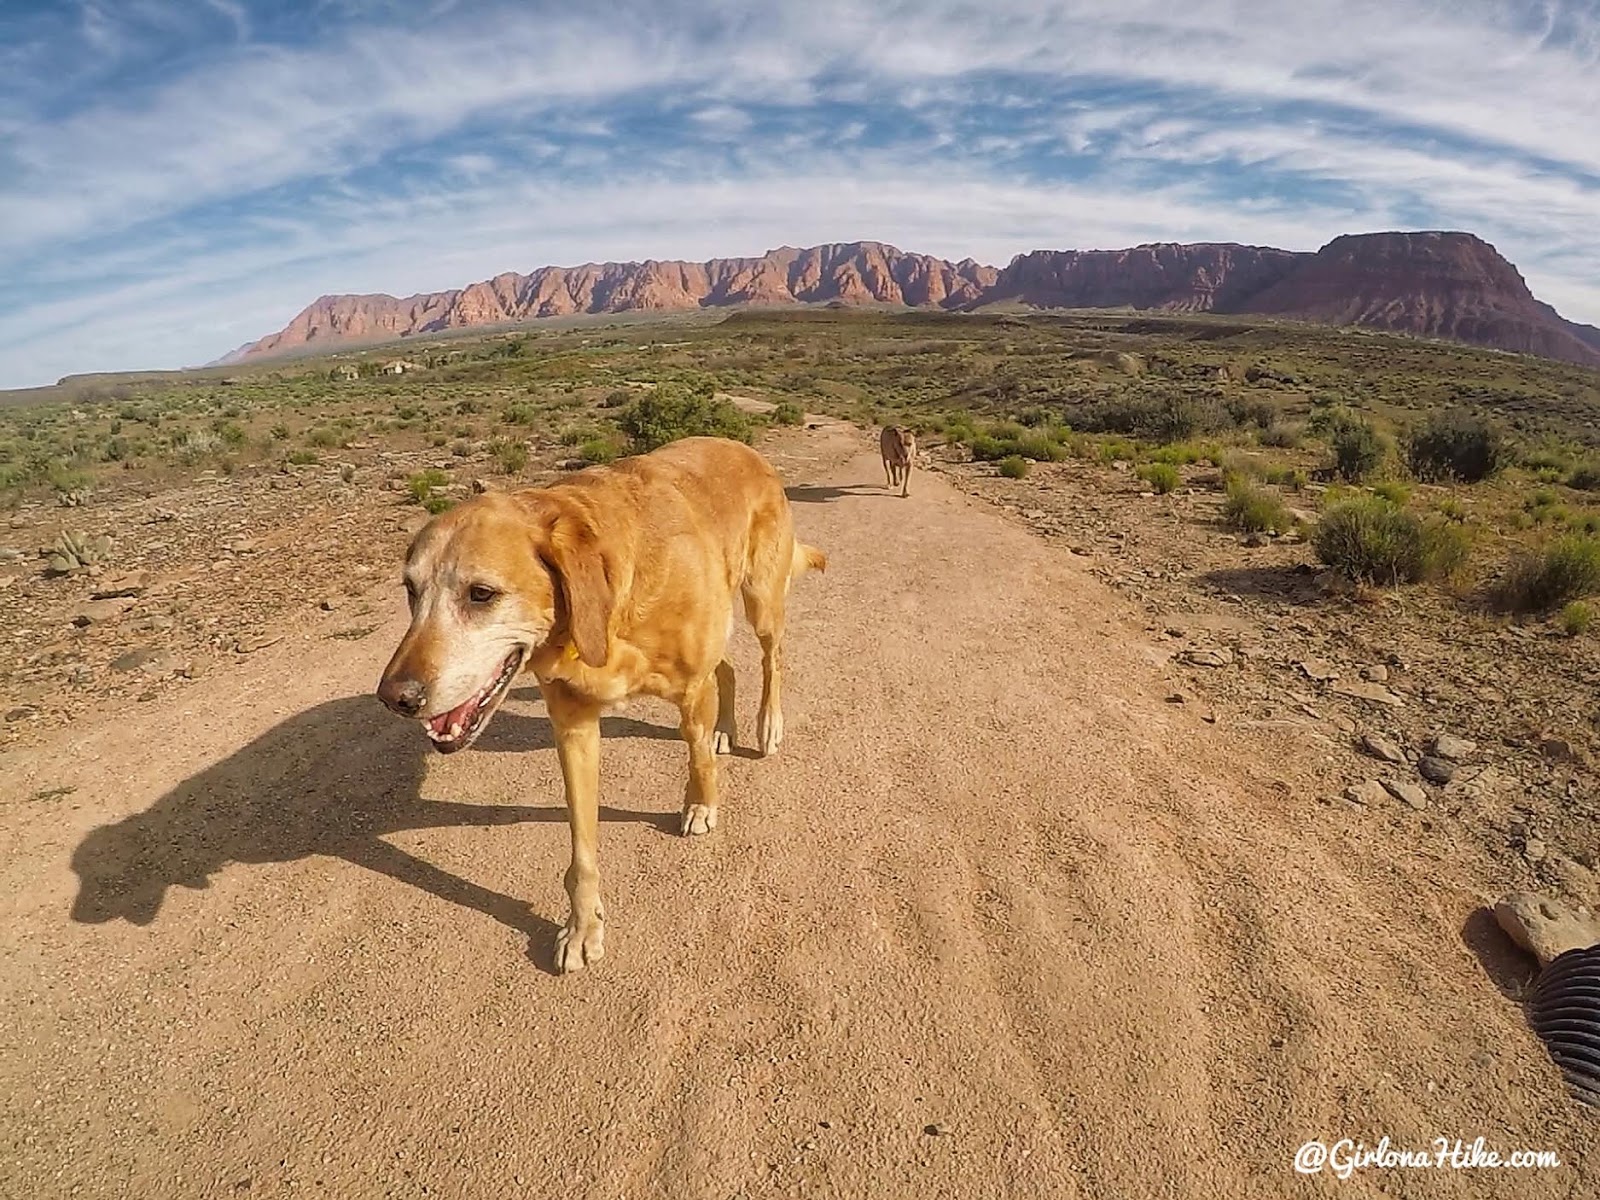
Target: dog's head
{"points": [[489, 582]]}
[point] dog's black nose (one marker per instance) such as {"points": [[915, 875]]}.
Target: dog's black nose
{"points": [[404, 696]]}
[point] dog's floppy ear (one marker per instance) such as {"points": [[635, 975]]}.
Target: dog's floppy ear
{"points": [[572, 552]]}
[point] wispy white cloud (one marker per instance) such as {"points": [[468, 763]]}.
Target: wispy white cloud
{"points": [[272, 151]]}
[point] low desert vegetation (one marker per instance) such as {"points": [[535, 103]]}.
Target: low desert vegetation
{"points": [[1372, 540], [1255, 509], [1162, 477], [1565, 570]]}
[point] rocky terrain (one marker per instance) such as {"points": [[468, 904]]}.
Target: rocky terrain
{"points": [[1486, 736], [1444, 285]]}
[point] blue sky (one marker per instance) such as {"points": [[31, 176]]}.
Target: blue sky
{"points": [[180, 176]]}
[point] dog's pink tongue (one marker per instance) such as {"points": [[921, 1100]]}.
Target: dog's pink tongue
{"points": [[456, 716]]}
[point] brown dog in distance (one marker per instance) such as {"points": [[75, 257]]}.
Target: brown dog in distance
{"points": [[616, 581], [899, 448]]}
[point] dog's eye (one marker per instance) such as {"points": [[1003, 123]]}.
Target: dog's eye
{"points": [[481, 593]]}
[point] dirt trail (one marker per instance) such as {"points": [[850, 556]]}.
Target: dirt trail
{"points": [[998, 921]]}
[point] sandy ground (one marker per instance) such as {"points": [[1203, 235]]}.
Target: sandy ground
{"points": [[997, 921]]}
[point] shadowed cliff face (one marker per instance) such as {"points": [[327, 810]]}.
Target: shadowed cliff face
{"points": [[1448, 285]]}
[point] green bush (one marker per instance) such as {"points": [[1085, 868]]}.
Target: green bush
{"points": [[1282, 435], [674, 411], [510, 455], [1457, 445], [1160, 418], [1162, 477], [1585, 477], [421, 485], [301, 458], [1292, 478], [788, 413], [519, 413], [1357, 447], [1014, 466], [1255, 509], [1393, 491], [599, 450], [1576, 618], [1372, 541], [1565, 570], [437, 504]]}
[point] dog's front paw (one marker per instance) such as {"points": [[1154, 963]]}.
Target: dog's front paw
{"points": [[697, 819], [721, 743], [580, 944]]}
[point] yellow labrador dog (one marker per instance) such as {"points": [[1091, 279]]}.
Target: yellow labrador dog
{"points": [[615, 581], [899, 448]]}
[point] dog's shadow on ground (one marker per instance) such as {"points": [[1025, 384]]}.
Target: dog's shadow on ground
{"points": [[331, 781], [816, 493]]}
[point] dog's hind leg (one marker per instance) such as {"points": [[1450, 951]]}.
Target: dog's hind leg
{"points": [[725, 737], [766, 618], [697, 712]]}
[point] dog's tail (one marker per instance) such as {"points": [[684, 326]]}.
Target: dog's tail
{"points": [[806, 558]]}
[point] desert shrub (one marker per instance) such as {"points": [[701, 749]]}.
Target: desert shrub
{"points": [[1292, 478], [461, 449], [437, 504], [1393, 491], [1171, 417], [1451, 509], [421, 485], [280, 433], [232, 434], [1114, 450], [510, 455], [1457, 445], [1585, 477], [617, 398], [1567, 569], [301, 458], [1260, 413], [520, 412], [1576, 618], [788, 413], [673, 411], [1357, 447], [1014, 466], [1162, 477], [1282, 435], [599, 450], [1183, 453], [1255, 509], [1372, 541], [986, 449]]}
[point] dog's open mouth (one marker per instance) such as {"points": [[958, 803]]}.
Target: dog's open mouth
{"points": [[455, 730]]}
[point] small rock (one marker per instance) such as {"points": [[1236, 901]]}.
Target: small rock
{"points": [[242, 546], [1533, 849], [1410, 794], [21, 713], [1253, 540], [937, 1129], [1208, 657], [1436, 770], [1444, 745], [1372, 693], [96, 611], [1560, 750], [1375, 674], [571, 464], [1343, 723], [1367, 794], [121, 586], [1546, 927], [1177, 698], [135, 660], [329, 603], [251, 645], [1382, 748], [480, 486], [1319, 670]]}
